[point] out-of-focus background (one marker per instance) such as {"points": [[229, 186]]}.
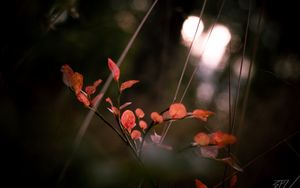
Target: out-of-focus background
{"points": [[40, 117]]}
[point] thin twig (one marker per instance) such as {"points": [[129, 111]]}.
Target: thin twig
{"points": [[231, 126], [259, 156], [254, 53], [194, 72], [166, 129], [206, 42], [292, 148], [189, 52], [107, 123], [241, 69]]}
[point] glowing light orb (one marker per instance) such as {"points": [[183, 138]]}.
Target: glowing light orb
{"points": [[189, 28]]}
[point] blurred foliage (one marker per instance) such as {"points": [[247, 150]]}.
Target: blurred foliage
{"points": [[40, 117]]}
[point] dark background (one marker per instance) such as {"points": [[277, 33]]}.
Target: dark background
{"points": [[40, 117]]}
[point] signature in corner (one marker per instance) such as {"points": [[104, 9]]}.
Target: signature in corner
{"points": [[284, 182]]}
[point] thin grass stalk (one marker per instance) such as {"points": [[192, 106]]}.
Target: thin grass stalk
{"points": [[254, 53], [236, 103], [167, 127], [260, 156]]}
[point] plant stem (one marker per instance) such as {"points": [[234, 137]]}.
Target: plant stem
{"points": [[108, 124], [165, 130], [89, 116], [143, 139], [123, 136]]}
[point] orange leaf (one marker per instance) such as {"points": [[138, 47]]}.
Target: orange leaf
{"points": [[139, 113], [199, 184], [71, 79], [143, 125], [128, 120], [67, 75], [113, 67], [135, 134], [202, 114], [127, 84], [177, 111], [233, 181], [83, 98], [221, 139], [156, 117], [201, 139], [92, 89], [77, 82]]}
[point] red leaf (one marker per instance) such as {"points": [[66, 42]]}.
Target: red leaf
{"points": [[233, 181], [221, 139], [76, 82], [135, 134], [156, 117], [92, 89], [83, 98], [201, 139], [177, 111], [128, 120], [199, 184], [202, 114], [139, 113], [113, 67], [143, 124], [209, 151], [109, 101], [128, 84], [67, 74]]}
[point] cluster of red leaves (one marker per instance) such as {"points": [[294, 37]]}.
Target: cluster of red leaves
{"points": [[177, 111], [218, 138], [210, 144], [128, 119], [74, 80]]}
